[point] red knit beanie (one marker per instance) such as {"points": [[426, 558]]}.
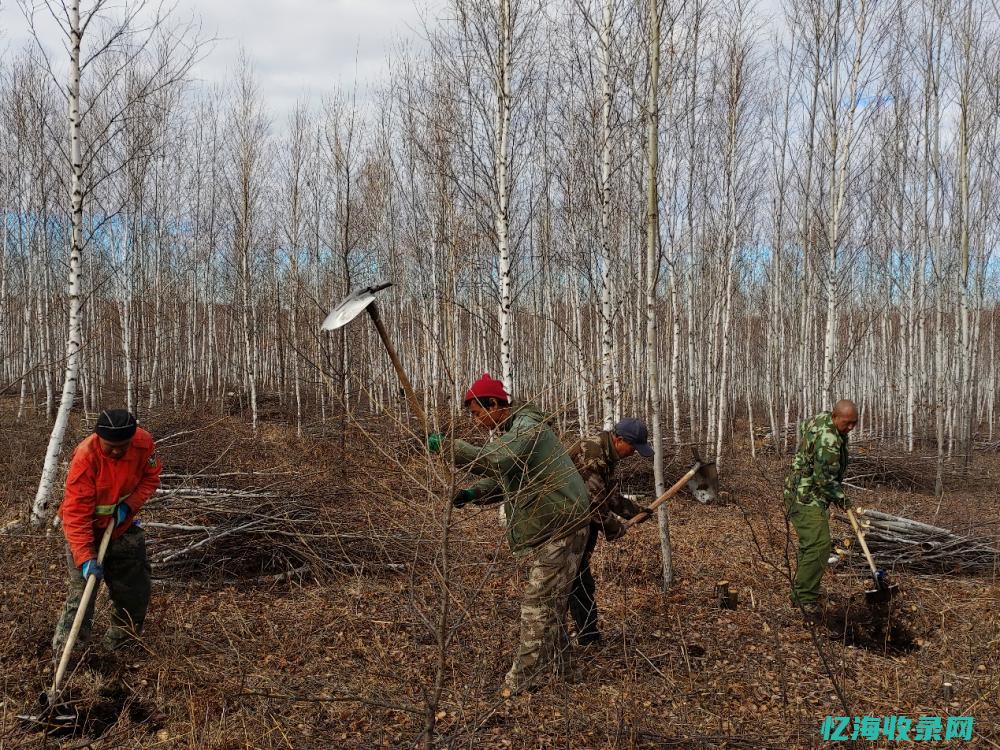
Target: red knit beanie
{"points": [[487, 387]]}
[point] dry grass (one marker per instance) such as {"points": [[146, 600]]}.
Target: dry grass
{"points": [[347, 661]]}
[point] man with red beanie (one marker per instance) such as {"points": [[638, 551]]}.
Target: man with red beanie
{"points": [[111, 476], [547, 510]]}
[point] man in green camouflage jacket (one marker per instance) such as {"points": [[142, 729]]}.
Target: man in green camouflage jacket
{"points": [[596, 458], [814, 482], [547, 510]]}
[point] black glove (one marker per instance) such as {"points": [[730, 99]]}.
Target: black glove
{"points": [[463, 497], [613, 530]]}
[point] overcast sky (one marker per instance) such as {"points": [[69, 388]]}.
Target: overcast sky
{"points": [[298, 47]]}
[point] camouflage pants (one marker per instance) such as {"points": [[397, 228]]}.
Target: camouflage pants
{"points": [[812, 524], [127, 576], [544, 640]]}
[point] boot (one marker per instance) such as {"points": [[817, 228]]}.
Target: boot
{"points": [[812, 613]]}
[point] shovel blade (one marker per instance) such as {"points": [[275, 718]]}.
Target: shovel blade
{"points": [[881, 595], [61, 718], [52, 713], [704, 485], [348, 310], [883, 591], [352, 307]]}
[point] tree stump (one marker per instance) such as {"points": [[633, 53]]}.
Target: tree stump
{"points": [[725, 598]]}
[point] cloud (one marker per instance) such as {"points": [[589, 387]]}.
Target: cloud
{"points": [[306, 48], [299, 48]]}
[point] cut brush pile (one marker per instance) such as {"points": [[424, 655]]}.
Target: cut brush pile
{"points": [[250, 534], [922, 548]]}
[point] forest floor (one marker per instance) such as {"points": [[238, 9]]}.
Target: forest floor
{"points": [[348, 658]]}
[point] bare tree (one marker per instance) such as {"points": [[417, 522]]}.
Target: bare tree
{"points": [[165, 56]]}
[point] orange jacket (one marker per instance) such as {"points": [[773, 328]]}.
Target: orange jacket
{"points": [[94, 485]]}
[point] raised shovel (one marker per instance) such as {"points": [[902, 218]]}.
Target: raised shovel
{"points": [[702, 480], [348, 310], [53, 710], [883, 591]]}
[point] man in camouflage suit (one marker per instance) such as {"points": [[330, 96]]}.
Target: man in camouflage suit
{"points": [[596, 458], [547, 509], [814, 482]]}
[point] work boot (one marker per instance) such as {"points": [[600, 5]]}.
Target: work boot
{"points": [[511, 687], [518, 685], [590, 640], [812, 613], [119, 639]]}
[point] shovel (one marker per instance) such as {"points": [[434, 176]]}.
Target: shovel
{"points": [[883, 591], [348, 310], [702, 479], [53, 711]]}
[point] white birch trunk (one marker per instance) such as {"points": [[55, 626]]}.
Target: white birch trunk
{"points": [[502, 217], [607, 293], [652, 279], [50, 467]]}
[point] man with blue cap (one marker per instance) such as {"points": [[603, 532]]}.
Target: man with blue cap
{"points": [[596, 458]]}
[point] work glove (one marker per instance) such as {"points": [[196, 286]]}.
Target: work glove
{"points": [[613, 530], [434, 442], [463, 497], [122, 512], [92, 568]]}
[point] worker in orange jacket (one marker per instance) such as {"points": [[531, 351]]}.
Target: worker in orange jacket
{"points": [[111, 476]]}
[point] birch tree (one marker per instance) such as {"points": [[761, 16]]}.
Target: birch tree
{"points": [[654, 15], [127, 37]]}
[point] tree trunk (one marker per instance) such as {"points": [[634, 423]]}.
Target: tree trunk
{"points": [[652, 279], [50, 467]]}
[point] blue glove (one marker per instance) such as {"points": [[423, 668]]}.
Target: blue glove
{"points": [[122, 512], [92, 568], [434, 441]]}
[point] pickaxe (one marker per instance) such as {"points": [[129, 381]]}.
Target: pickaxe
{"points": [[348, 310]]}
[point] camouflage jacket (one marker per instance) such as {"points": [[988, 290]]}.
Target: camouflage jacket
{"points": [[526, 465], [818, 468], [595, 458]]}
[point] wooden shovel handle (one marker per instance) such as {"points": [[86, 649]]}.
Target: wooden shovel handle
{"points": [[81, 610], [411, 395], [677, 487], [861, 538]]}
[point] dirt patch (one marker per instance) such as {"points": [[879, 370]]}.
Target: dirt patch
{"points": [[94, 716], [883, 630]]}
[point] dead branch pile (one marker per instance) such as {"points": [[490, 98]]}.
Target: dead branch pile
{"points": [[257, 534], [769, 440], [922, 548], [909, 473], [987, 446]]}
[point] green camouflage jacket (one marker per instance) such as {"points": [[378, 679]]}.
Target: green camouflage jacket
{"points": [[596, 458], [544, 496], [818, 468]]}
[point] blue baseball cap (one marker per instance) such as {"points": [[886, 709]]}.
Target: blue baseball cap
{"points": [[634, 432]]}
